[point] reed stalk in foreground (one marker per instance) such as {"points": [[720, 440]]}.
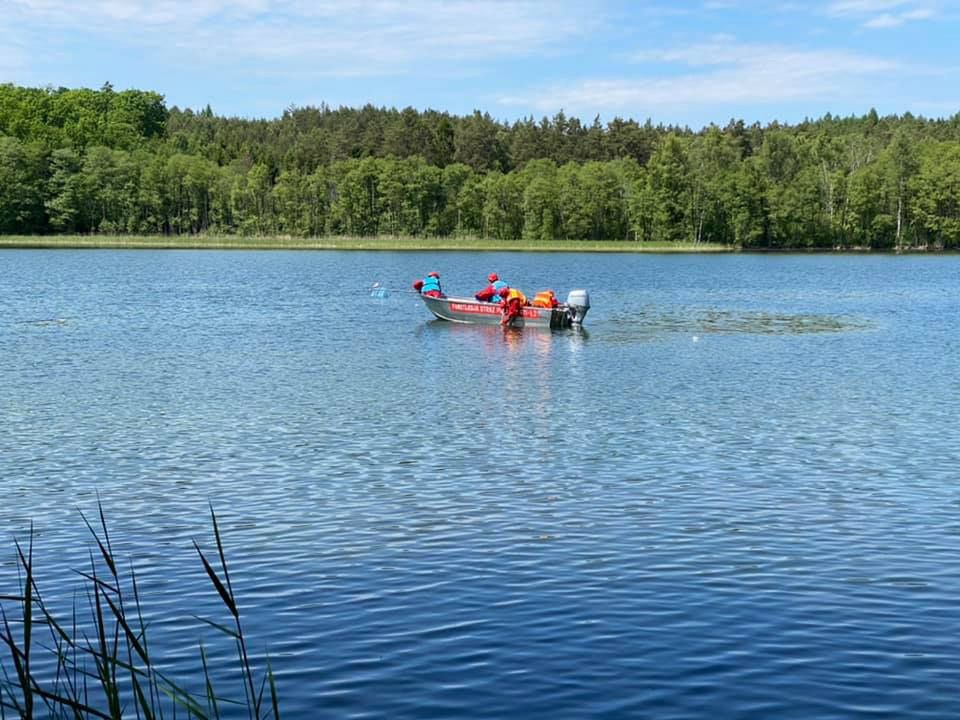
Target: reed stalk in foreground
{"points": [[101, 665]]}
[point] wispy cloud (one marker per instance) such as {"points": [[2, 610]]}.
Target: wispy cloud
{"points": [[337, 37], [530, 55], [886, 20], [860, 7], [163, 12], [881, 14], [13, 54], [722, 73]]}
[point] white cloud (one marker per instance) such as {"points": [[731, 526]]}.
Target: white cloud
{"points": [[753, 59], [885, 20], [723, 73], [881, 14], [164, 12], [106, 14], [863, 7], [345, 37], [13, 55]]}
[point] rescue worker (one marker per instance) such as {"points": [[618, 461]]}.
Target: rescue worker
{"points": [[429, 286], [511, 304], [545, 298], [491, 293]]}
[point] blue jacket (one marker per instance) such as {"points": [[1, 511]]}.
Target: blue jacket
{"points": [[430, 283], [498, 286]]}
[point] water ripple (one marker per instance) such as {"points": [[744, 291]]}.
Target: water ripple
{"points": [[432, 520]]}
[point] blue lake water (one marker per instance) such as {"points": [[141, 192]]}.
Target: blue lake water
{"points": [[734, 494]]}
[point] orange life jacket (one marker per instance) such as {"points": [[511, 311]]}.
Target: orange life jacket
{"points": [[515, 294], [545, 298]]}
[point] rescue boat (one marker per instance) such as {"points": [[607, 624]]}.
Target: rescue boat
{"points": [[473, 312]]}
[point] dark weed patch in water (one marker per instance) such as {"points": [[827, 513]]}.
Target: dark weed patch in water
{"points": [[732, 322]]}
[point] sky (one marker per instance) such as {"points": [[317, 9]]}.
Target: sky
{"points": [[677, 63]]}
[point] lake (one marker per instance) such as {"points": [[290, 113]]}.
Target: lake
{"points": [[733, 494]]}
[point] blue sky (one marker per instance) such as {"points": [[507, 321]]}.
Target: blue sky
{"points": [[686, 63]]}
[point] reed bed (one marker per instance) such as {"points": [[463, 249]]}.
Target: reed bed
{"points": [[380, 242], [101, 665]]}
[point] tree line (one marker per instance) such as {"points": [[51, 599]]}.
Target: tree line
{"points": [[102, 161]]}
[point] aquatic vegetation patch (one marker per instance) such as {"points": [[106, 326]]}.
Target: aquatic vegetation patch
{"points": [[651, 323], [764, 323]]}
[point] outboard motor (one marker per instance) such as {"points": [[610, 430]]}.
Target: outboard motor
{"points": [[578, 302]]}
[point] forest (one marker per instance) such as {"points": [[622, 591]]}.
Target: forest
{"points": [[85, 161]]}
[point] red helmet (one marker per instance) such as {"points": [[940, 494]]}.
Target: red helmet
{"points": [[493, 277], [504, 292], [418, 284], [433, 274]]}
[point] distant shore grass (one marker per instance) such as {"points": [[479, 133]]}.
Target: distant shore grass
{"points": [[335, 242]]}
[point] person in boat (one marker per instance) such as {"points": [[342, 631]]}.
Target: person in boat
{"points": [[491, 293], [546, 299], [429, 286], [511, 304]]}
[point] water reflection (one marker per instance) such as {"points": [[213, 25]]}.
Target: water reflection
{"points": [[496, 341], [530, 362]]}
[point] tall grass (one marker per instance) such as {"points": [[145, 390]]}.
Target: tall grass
{"points": [[339, 242], [100, 664]]}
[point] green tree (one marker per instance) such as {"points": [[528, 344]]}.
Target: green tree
{"points": [[670, 192], [869, 222], [252, 200], [901, 165], [640, 208], [406, 135], [441, 145], [750, 207], [540, 212], [936, 194], [291, 203], [428, 193], [358, 202], [502, 206], [605, 187], [793, 191], [464, 190], [21, 187], [576, 222], [63, 194], [107, 190], [478, 143], [713, 160]]}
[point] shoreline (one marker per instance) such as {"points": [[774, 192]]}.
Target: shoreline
{"points": [[387, 243], [383, 243]]}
